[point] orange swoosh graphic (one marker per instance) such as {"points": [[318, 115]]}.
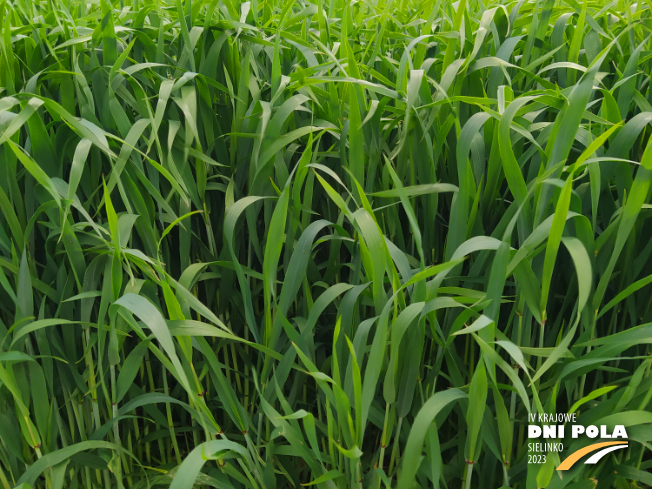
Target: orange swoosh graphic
{"points": [[575, 456]]}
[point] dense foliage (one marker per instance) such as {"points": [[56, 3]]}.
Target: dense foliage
{"points": [[350, 244]]}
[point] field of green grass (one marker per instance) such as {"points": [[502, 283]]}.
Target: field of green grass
{"points": [[330, 243]]}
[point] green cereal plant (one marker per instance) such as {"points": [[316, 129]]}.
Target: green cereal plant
{"points": [[329, 243]]}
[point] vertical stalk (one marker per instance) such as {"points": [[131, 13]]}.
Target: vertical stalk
{"points": [[168, 411]]}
